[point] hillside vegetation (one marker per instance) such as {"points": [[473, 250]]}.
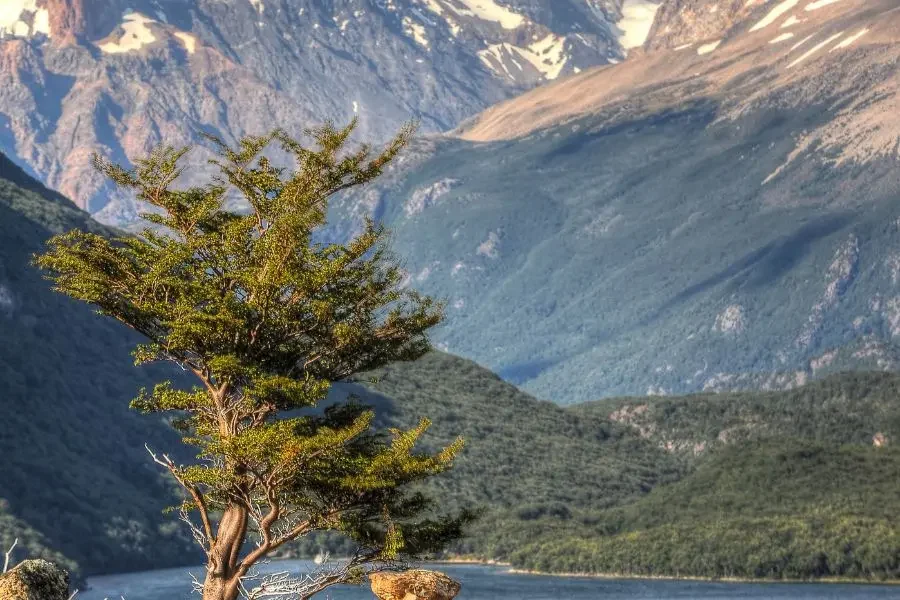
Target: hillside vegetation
{"points": [[784, 484], [75, 478], [767, 509], [777, 484]]}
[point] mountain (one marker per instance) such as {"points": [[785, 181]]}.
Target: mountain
{"points": [[719, 211], [122, 76], [75, 480]]}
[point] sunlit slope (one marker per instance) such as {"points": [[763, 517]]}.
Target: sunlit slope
{"points": [[693, 218]]}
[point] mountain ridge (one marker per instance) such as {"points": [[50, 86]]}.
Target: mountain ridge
{"points": [[121, 76], [681, 221]]}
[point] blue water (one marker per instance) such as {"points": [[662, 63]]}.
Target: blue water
{"points": [[496, 583]]}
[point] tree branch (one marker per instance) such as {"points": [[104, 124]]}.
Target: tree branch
{"points": [[8, 554], [198, 497]]}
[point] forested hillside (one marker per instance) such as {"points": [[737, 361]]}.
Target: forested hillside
{"points": [[786, 484], [74, 471], [777, 484]]}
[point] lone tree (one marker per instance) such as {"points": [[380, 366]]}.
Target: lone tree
{"points": [[266, 319]]}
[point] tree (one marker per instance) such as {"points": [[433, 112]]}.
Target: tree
{"points": [[267, 318]]}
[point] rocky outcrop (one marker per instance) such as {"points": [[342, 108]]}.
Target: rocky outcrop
{"points": [[35, 580], [682, 22], [414, 585]]}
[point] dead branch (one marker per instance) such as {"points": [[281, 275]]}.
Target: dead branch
{"points": [[8, 555]]}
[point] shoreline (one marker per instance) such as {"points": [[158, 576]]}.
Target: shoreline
{"points": [[626, 576]]}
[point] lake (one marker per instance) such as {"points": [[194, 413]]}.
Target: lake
{"points": [[497, 583]]}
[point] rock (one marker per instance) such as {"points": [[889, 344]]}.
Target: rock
{"points": [[414, 585], [35, 580]]}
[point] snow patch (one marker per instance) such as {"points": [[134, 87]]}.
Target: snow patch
{"points": [[819, 4], [803, 41], [815, 49], [416, 31], [850, 40], [790, 21], [781, 38], [486, 10], [707, 48], [23, 18], [189, 41], [136, 35], [546, 55], [775, 13], [637, 19]]}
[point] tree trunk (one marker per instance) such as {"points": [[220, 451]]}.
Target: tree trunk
{"points": [[222, 581], [219, 588]]}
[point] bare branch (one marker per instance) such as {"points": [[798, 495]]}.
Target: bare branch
{"points": [[285, 586], [8, 554], [199, 500]]}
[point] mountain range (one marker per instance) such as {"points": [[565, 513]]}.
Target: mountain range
{"points": [[122, 76], [695, 195]]}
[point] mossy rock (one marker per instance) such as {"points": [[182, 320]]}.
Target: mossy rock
{"points": [[35, 580]]}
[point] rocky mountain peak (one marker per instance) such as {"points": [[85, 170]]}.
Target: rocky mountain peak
{"points": [[118, 76]]}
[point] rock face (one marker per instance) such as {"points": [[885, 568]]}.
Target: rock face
{"points": [[35, 580], [698, 218], [414, 585], [682, 22], [120, 76]]}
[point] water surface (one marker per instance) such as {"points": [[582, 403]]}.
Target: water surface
{"points": [[497, 583]]}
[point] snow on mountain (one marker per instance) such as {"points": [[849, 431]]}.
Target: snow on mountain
{"points": [[120, 76]]}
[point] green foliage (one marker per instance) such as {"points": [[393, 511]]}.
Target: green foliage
{"points": [[266, 319], [767, 509]]}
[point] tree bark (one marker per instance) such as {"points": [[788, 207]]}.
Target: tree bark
{"points": [[222, 578], [219, 588]]}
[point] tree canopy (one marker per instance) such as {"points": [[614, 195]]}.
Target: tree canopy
{"points": [[266, 318]]}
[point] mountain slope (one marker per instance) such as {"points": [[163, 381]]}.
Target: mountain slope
{"points": [[801, 483], [121, 76], [75, 477], [719, 211]]}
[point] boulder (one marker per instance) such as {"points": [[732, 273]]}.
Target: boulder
{"points": [[414, 585], [35, 580]]}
